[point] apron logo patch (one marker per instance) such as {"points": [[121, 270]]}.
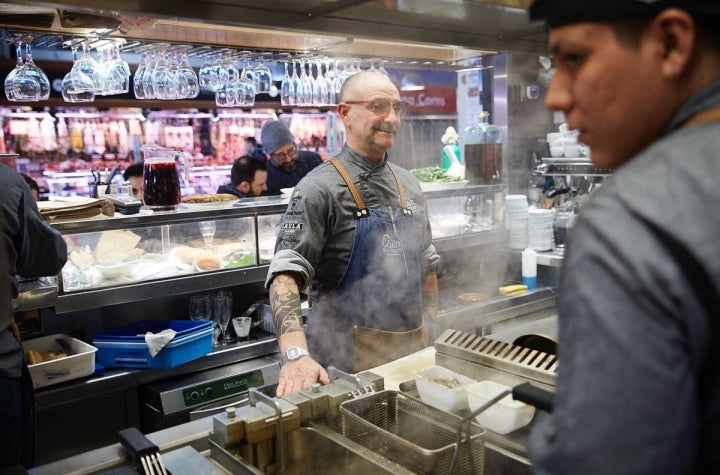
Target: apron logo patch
{"points": [[292, 226], [390, 245]]}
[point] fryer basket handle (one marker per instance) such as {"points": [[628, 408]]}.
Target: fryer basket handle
{"points": [[533, 395]]}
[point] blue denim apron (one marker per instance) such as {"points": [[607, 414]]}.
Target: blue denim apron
{"points": [[375, 313]]}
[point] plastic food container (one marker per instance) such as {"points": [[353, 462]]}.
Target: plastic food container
{"points": [[76, 365], [505, 415], [443, 389], [125, 347]]}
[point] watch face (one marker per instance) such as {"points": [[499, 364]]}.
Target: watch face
{"points": [[295, 353]]}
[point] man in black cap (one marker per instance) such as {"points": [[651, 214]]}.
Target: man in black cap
{"points": [[287, 165], [638, 388]]}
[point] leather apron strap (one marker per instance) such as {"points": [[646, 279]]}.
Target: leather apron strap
{"points": [[704, 117], [356, 193]]}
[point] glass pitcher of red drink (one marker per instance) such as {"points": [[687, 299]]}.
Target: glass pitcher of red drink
{"points": [[161, 183]]}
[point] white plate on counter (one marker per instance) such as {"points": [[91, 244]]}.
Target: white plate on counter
{"points": [[442, 185]]}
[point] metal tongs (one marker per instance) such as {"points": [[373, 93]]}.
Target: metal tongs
{"points": [[145, 453], [524, 392]]}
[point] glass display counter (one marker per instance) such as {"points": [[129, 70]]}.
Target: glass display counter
{"points": [[463, 215], [203, 247], [198, 247]]}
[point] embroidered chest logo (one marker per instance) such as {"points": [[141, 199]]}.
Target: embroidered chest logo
{"points": [[391, 245], [292, 226]]}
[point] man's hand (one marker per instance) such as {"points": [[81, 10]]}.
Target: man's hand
{"points": [[300, 374]]}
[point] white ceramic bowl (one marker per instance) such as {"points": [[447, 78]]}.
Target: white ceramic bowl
{"points": [[504, 416], [554, 138], [571, 150], [443, 388], [114, 270]]}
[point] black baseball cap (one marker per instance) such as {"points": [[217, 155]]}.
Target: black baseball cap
{"points": [[563, 12]]}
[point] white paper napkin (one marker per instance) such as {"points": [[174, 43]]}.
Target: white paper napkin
{"points": [[157, 341]]}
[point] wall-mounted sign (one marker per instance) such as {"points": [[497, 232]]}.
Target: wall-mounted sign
{"points": [[432, 99]]}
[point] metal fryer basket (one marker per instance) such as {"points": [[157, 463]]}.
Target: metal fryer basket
{"points": [[412, 433]]}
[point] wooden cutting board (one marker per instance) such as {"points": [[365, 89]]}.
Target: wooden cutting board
{"points": [[405, 368]]}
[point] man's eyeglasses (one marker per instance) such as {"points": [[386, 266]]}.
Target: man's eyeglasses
{"points": [[382, 108], [280, 157]]}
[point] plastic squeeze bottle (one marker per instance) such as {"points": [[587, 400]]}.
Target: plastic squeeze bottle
{"points": [[529, 268], [450, 146]]}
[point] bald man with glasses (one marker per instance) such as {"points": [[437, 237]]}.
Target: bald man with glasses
{"points": [[356, 233]]}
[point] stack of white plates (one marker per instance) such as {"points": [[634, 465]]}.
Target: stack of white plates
{"points": [[540, 229], [516, 221]]}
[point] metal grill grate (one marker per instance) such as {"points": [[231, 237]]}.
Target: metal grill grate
{"points": [[507, 357]]}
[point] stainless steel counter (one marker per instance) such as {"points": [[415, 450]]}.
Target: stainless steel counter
{"points": [[194, 433]]}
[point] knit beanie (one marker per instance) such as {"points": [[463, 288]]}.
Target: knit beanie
{"points": [[274, 135], [563, 12]]}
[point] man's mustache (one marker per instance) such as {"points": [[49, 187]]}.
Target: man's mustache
{"points": [[389, 128]]}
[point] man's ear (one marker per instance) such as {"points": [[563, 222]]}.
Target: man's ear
{"points": [[678, 33], [244, 187], [343, 110]]}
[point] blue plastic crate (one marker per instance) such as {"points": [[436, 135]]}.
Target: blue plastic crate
{"points": [[125, 347]]}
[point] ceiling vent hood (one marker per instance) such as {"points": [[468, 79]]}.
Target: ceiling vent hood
{"points": [[452, 32]]}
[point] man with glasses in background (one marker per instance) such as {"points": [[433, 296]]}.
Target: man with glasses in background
{"points": [[356, 232], [286, 165]]}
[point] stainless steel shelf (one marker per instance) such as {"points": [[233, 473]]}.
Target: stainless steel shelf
{"points": [[569, 166], [462, 190], [451, 243], [153, 289]]}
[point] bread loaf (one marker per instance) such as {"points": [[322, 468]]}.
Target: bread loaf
{"points": [[207, 261], [34, 356]]}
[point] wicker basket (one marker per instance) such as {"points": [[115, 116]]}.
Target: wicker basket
{"points": [[417, 436]]}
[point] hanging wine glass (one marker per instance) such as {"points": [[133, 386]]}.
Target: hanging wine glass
{"points": [[337, 83], [190, 82], [138, 89], [10, 78], [296, 85], [306, 86], [248, 71], [163, 80], [246, 88], [287, 96], [88, 65], [147, 77], [206, 76], [321, 91], [382, 69], [263, 78], [115, 80], [76, 85], [31, 83], [121, 67]]}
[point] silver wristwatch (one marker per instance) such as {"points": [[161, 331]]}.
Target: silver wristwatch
{"points": [[295, 352]]}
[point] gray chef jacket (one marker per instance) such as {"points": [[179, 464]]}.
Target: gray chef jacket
{"points": [[316, 235], [638, 388]]}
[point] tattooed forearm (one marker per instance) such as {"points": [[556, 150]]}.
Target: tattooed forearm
{"points": [[285, 304], [430, 295]]}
